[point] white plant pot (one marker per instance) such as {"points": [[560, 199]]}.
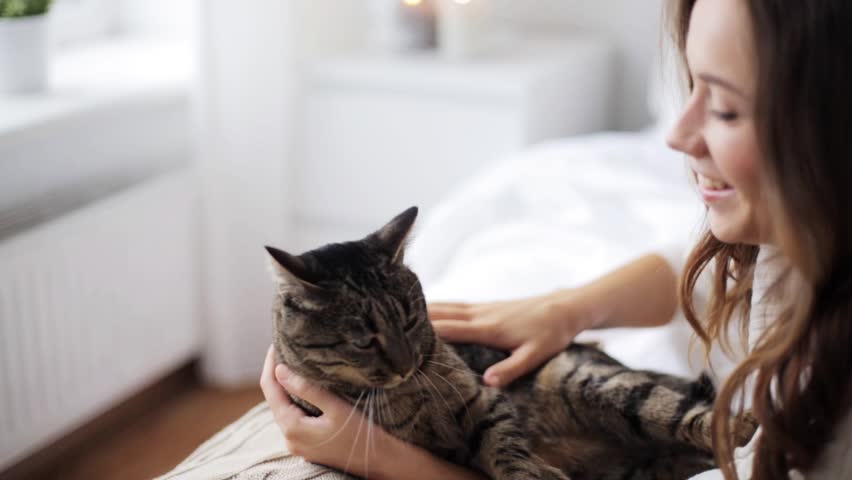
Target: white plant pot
{"points": [[397, 26], [23, 54]]}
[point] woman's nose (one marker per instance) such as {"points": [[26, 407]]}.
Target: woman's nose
{"points": [[687, 138], [687, 134]]}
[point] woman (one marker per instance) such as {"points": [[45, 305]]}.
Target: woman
{"points": [[767, 130]]}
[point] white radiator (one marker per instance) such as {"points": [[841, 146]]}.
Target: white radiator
{"points": [[94, 305]]}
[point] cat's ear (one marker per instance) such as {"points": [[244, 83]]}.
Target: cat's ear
{"points": [[291, 272], [391, 238]]}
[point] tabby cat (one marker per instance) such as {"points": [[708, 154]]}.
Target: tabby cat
{"points": [[351, 317]]}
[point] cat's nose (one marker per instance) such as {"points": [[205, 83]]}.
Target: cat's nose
{"points": [[402, 371], [400, 356], [393, 381]]}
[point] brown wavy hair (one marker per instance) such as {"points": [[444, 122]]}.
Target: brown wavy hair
{"points": [[801, 366]]}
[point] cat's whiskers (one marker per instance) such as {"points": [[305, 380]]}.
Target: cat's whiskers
{"points": [[464, 403], [354, 443], [373, 416], [382, 415], [470, 372], [345, 423], [386, 417], [376, 403], [449, 409], [423, 387], [369, 444]]}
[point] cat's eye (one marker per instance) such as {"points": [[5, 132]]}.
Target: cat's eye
{"points": [[363, 343]]}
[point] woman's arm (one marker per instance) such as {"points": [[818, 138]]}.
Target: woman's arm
{"points": [[339, 437], [640, 294], [403, 461]]}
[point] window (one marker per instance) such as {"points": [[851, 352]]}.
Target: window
{"points": [[81, 21], [76, 21]]}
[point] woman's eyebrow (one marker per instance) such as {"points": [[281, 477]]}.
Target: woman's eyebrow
{"points": [[712, 79]]}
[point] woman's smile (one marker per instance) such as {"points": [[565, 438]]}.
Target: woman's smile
{"points": [[713, 190]]}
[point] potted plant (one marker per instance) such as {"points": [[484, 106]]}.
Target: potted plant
{"points": [[23, 45]]}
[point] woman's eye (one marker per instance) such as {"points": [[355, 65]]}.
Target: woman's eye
{"points": [[724, 116], [363, 343]]}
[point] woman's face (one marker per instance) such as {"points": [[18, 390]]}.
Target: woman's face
{"points": [[716, 129]]}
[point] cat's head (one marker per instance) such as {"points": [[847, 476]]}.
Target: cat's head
{"points": [[352, 314]]}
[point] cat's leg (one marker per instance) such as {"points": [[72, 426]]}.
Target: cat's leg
{"points": [[632, 405], [743, 428], [669, 415], [498, 443], [695, 402]]}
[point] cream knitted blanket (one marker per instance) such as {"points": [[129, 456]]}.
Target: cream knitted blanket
{"points": [[250, 448]]}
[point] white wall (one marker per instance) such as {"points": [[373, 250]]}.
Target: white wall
{"points": [[243, 156], [163, 17], [633, 25], [248, 101]]}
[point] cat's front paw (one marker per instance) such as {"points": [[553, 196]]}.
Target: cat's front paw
{"points": [[743, 428]]}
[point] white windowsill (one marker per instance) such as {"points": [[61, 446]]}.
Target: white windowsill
{"points": [[102, 76], [115, 114]]}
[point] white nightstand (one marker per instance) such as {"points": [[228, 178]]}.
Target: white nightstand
{"points": [[384, 133]]}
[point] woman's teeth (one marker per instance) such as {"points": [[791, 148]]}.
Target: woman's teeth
{"points": [[711, 184]]}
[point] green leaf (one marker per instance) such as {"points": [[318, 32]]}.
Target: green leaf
{"points": [[23, 8]]}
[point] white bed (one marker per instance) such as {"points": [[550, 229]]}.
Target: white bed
{"points": [[560, 215]]}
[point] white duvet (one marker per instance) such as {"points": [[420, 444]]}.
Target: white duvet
{"points": [[559, 215]]}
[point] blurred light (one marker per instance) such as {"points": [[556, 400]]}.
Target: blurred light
{"points": [[463, 2], [412, 3]]}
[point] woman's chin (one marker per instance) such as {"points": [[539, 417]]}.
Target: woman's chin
{"points": [[729, 228]]}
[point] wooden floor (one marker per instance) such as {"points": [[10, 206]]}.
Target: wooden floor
{"points": [[159, 440], [142, 437]]}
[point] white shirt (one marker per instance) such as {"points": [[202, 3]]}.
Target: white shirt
{"points": [[836, 461]]}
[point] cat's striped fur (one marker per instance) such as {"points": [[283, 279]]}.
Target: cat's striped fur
{"points": [[352, 318]]}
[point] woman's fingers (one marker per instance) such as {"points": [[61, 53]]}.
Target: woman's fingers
{"points": [[461, 331], [449, 311], [286, 414], [319, 397], [289, 417], [521, 361], [449, 304], [272, 390]]}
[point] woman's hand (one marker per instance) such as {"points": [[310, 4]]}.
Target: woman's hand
{"points": [[533, 329], [341, 437], [642, 293]]}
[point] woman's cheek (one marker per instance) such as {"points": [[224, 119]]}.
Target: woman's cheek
{"points": [[735, 155], [737, 159], [744, 164]]}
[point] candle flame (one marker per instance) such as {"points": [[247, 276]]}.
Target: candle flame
{"points": [[412, 3]]}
